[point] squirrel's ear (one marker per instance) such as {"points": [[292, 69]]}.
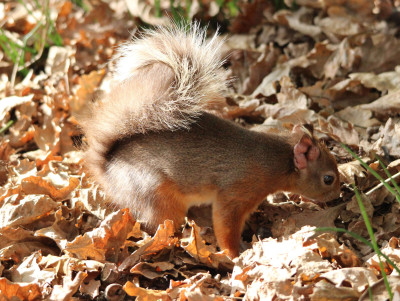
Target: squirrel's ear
{"points": [[305, 151], [304, 129]]}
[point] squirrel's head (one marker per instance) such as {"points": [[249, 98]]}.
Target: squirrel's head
{"points": [[317, 176]]}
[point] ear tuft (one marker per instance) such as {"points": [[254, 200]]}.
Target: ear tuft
{"points": [[304, 128], [308, 129]]}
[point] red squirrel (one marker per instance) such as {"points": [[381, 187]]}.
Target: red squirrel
{"points": [[155, 148]]}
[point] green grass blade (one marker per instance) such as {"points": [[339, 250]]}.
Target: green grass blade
{"points": [[188, 4], [355, 235], [7, 126], [30, 12], [373, 240], [360, 238], [52, 33], [373, 172], [365, 215], [370, 293], [10, 48], [388, 174], [157, 8], [81, 4]]}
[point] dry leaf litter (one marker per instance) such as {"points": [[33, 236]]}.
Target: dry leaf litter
{"points": [[335, 64]]}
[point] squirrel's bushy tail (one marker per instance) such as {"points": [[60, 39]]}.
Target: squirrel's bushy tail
{"points": [[163, 80]]}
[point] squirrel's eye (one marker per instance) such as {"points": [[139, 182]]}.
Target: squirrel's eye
{"points": [[328, 180]]}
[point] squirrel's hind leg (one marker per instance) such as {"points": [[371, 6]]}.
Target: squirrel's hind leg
{"points": [[167, 203], [148, 193]]}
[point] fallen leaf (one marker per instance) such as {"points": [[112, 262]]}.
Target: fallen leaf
{"points": [[358, 278], [91, 288], [384, 82], [324, 290], [22, 291], [31, 208], [37, 185], [68, 288], [6, 104], [163, 239], [388, 105], [389, 139], [351, 170], [104, 241], [154, 270], [144, 294], [196, 247], [29, 271]]}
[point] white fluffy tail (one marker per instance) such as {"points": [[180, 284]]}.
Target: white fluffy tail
{"points": [[164, 79]]}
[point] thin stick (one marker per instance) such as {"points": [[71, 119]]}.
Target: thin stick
{"points": [[381, 184]]}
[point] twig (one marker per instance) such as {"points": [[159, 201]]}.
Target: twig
{"points": [[381, 184]]}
